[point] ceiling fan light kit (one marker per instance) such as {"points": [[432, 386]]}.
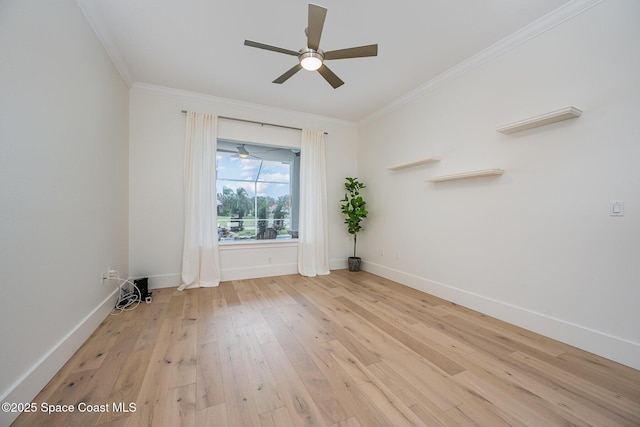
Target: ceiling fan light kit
{"points": [[312, 57], [311, 60], [242, 152]]}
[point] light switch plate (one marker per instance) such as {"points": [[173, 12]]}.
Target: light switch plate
{"points": [[616, 208]]}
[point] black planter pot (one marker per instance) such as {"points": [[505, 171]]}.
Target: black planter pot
{"points": [[354, 263]]}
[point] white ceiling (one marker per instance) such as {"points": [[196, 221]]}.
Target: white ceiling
{"points": [[197, 46]]}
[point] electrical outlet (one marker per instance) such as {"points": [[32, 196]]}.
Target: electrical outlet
{"points": [[110, 273]]}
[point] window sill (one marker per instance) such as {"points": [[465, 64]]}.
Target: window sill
{"points": [[239, 244]]}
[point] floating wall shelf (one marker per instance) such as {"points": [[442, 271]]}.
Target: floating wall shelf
{"points": [[541, 120], [412, 164], [464, 175]]}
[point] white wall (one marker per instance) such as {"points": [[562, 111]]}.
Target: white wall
{"points": [[156, 182], [63, 198], [536, 246]]}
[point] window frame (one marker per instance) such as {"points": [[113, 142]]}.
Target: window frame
{"points": [[293, 183]]}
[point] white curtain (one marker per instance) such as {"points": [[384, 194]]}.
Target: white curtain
{"points": [[313, 245], [200, 259]]}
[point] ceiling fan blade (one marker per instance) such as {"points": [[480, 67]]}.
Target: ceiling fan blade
{"points": [[222, 150], [330, 76], [314, 28], [353, 52], [269, 47], [283, 78]]}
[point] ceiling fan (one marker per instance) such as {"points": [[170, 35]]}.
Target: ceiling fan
{"points": [[240, 151], [312, 57]]}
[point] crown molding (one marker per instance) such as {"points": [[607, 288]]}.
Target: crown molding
{"points": [[187, 95], [90, 10], [547, 22]]}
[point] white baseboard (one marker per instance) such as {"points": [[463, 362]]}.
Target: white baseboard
{"points": [[26, 388], [160, 281], [605, 345], [338, 264], [174, 280], [261, 271]]}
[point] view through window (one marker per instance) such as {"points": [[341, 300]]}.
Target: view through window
{"points": [[257, 191]]}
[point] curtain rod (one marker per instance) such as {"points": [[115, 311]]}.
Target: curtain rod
{"points": [[254, 122]]}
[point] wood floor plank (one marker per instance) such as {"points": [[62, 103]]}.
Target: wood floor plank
{"points": [[404, 360], [328, 314], [488, 409], [213, 416], [613, 376], [388, 288], [190, 306], [218, 301], [520, 404], [421, 404], [582, 397], [163, 296], [299, 402], [394, 409], [474, 335], [280, 297], [91, 355], [539, 342], [302, 325], [276, 418], [351, 422], [263, 386], [434, 356], [510, 379], [344, 389], [181, 360], [150, 328], [180, 409], [314, 380], [126, 385], [431, 382], [229, 294], [250, 295], [240, 404], [347, 349], [429, 335], [205, 318], [121, 422], [209, 389], [155, 386], [176, 305]]}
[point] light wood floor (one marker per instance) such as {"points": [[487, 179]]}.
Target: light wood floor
{"points": [[348, 349]]}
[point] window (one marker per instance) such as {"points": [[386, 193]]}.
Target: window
{"points": [[257, 191]]}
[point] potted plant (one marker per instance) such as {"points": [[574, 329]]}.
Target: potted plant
{"points": [[354, 208]]}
